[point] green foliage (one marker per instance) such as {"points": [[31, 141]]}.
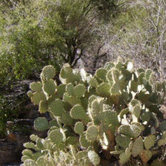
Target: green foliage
{"points": [[87, 121]]}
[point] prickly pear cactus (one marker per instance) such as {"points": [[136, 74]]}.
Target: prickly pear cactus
{"points": [[115, 112]]}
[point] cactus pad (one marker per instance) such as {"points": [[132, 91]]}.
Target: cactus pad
{"points": [[36, 86], [56, 136], [70, 89], [37, 97], [41, 124], [79, 90], [49, 87], [149, 141], [83, 141], [125, 130], [122, 140], [66, 71], [56, 107], [103, 89], [94, 158], [137, 147], [79, 128], [43, 106], [101, 74], [48, 72], [77, 112], [92, 133], [30, 162], [124, 158]]}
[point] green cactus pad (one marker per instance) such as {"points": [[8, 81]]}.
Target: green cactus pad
{"points": [[109, 77], [56, 136], [73, 100], [25, 157], [30, 93], [157, 162], [137, 147], [109, 65], [53, 123], [116, 152], [79, 90], [83, 141], [70, 89], [30, 162], [37, 97], [36, 86], [110, 118], [122, 140], [149, 141], [43, 106], [27, 152], [72, 141], [79, 128], [134, 86], [81, 155], [161, 142], [48, 72], [92, 133], [49, 87], [94, 158], [66, 71], [56, 107], [60, 90], [39, 143], [115, 75], [115, 89], [101, 74], [145, 116], [148, 73], [93, 82], [41, 124], [77, 112], [123, 112], [29, 145], [103, 89], [145, 155], [33, 137], [42, 161], [66, 118], [124, 158], [163, 126], [125, 130], [137, 129], [136, 111]]}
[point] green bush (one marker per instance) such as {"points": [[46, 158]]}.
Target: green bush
{"points": [[116, 112]]}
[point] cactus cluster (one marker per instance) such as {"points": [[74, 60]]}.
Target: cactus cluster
{"points": [[115, 112]]}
